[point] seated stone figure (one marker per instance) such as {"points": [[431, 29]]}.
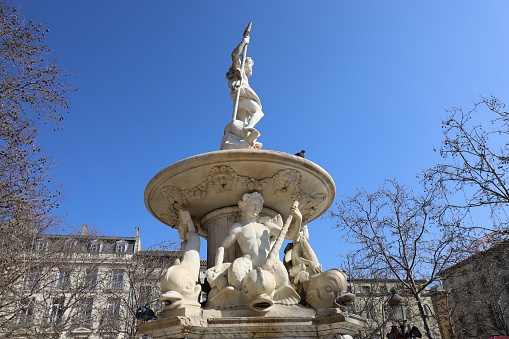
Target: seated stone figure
{"points": [[317, 289], [179, 285], [250, 279], [300, 259]]}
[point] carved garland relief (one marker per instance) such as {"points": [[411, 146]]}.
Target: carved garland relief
{"points": [[223, 180]]}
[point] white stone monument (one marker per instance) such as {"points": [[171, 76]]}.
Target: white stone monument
{"points": [[246, 201]]}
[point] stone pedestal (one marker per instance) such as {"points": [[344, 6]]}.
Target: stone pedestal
{"points": [[331, 326]]}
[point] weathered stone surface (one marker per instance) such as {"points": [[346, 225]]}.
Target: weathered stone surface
{"points": [[179, 284], [329, 326], [256, 278], [210, 181]]}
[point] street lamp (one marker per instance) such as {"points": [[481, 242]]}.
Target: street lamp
{"points": [[399, 309]]}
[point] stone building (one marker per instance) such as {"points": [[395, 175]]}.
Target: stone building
{"points": [[443, 316], [477, 292], [371, 302], [83, 286]]}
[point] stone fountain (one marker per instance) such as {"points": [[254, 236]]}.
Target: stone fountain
{"points": [[246, 201]]}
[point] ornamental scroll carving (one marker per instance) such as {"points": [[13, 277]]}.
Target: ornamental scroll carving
{"points": [[176, 201], [308, 202]]}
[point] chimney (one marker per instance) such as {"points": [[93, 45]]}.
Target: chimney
{"points": [[137, 247], [84, 229]]}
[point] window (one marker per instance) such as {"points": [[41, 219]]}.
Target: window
{"points": [[63, 279], [94, 246], [113, 307], [370, 310], [41, 245], [117, 279], [33, 279], [71, 244], [90, 280], [111, 317], [56, 310], [121, 246], [26, 312], [84, 315], [366, 289]]}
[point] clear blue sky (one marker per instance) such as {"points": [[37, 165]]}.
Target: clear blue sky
{"points": [[360, 85]]}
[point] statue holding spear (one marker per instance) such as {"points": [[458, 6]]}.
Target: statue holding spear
{"points": [[247, 107]]}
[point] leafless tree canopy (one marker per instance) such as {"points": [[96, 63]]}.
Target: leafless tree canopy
{"points": [[401, 235], [475, 154], [32, 93]]}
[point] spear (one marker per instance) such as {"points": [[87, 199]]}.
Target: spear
{"points": [[274, 251], [244, 55]]}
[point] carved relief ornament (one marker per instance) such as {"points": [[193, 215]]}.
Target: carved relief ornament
{"points": [[223, 179]]}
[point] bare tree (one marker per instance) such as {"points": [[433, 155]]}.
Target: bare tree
{"points": [[476, 158], [81, 284], [400, 235], [371, 292], [32, 94]]}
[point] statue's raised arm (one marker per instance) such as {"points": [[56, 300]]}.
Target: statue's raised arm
{"points": [[236, 75], [247, 107], [236, 53]]}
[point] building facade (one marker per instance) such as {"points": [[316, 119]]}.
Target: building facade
{"points": [[475, 295], [371, 302], [83, 286]]}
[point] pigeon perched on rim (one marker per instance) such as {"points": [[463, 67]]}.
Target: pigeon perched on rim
{"points": [[145, 314], [300, 154]]}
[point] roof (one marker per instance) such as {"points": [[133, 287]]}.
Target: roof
{"points": [[395, 281], [91, 237], [502, 245]]}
